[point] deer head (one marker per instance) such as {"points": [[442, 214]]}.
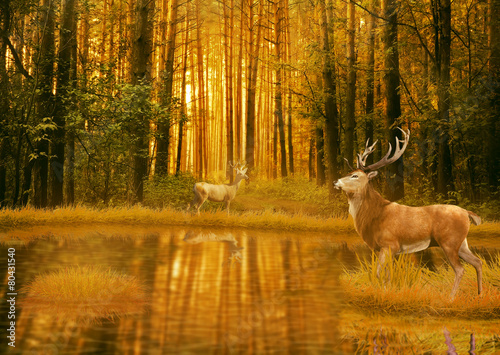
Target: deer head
{"points": [[241, 170], [356, 180]]}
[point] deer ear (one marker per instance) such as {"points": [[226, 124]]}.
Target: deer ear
{"points": [[372, 174]]}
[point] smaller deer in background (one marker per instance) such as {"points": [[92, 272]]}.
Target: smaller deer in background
{"points": [[218, 193], [390, 228]]}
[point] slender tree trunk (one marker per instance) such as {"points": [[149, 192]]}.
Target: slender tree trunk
{"points": [[44, 102], [445, 182], [278, 98], [370, 80], [228, 53], [62, 102], [5, 15], [331, 114], [493, 130], [351, 85], [202, 127], [395, 172], [183, 117], [141, 74], [163, 143], [320, 157], [289, 82], [239, 90], [253, 65], [69, 153]]}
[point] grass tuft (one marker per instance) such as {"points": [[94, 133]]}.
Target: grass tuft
{"points": [[84, 293], [414, 289]]}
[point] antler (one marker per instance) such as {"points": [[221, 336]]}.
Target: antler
{"points": [[237, 165], [368, 150], [385, 160]]}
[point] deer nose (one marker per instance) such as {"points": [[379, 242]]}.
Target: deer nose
{"points": [[337, 184]]}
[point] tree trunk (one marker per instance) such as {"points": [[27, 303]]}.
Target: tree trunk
{"points": [[289, 80], [395, 172], [44, 102], [141, 74], [228, 54], [445, 182], [182, 115], [370, 80], [64, 66], [278, 96], [331, 114], [4, 98], [163, 143], [492, 134], [202, 131], [253, 65], [320, 156], [239, 90], [351, 86]]}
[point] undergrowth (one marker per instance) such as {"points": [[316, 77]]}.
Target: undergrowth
{"points": [[407, 288]]}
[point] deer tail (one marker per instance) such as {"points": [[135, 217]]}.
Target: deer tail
{"points": [[475, 218]]}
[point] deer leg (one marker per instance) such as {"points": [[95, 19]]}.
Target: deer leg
{"points": [[201, 201], [465, 253], [382, 256], [454, 261]]}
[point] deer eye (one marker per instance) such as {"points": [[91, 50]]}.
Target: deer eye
{"points": [[354, 176]]}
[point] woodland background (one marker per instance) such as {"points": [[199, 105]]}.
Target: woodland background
{"points": [[109, 102]]}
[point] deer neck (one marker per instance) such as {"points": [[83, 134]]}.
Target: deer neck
{"points": [[236, 183], [365, 206]]}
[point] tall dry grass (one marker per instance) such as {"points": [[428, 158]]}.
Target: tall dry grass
{"points": [[414, 289], [30, 217], [85, 293]]}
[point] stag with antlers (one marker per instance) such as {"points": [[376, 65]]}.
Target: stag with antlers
{"points": [[390, 228], [218, 193]]}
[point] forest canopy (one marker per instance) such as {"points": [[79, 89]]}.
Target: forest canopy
{"points": [[100, 96]]}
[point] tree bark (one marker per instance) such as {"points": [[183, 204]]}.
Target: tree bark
{"points": [[163, 142], [4, 98], [44, 102], [64, 66], [278, 96], [330, 102], [253, 65], [228, 53], [395, 171], [141, 75], [351, 86], [445, 182], [370, 80], [493, 131], [182, 115]]}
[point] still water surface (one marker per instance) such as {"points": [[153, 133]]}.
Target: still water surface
{"points": [[223, 291]]}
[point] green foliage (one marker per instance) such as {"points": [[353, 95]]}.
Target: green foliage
{"points": [[423, 194], [174, 191], [297, 188]]}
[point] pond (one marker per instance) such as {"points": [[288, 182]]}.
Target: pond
{"points": [[215, 291]]}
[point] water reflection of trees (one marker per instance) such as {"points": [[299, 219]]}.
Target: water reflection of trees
{"points": [[283, 295]]}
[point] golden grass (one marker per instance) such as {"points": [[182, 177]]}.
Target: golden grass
{"points": [[415, 289], [31, 217], [28, 217], [84, 293]]}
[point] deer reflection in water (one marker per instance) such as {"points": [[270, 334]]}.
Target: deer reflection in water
{"points": [[196, 237]]}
